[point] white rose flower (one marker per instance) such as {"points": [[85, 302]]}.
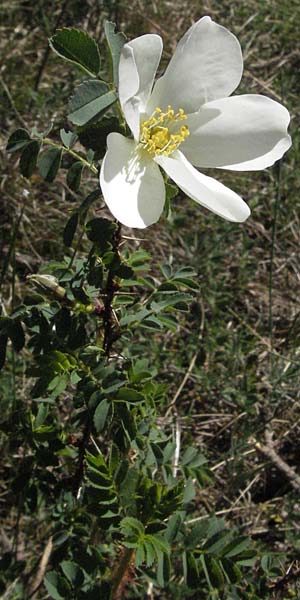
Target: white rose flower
{"points": [[187, 118]]}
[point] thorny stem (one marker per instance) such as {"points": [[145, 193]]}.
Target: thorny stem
{"points": [[120, 573], [107, 343], [110, 292]]}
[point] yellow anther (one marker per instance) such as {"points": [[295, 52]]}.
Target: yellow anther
{"points": [[159, 134], [182, 114]]}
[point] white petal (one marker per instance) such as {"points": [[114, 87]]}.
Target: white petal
{"points": [[240, 133], [206, 191], [132, 184], [137, 68], [206, 65]]}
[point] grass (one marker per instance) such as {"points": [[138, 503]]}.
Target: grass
{"points": [[245, 371]]}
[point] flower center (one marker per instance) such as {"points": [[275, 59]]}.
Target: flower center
{"points": [[159, 134]]}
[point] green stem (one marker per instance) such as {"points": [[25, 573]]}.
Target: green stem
{"points": [[74, 154]]}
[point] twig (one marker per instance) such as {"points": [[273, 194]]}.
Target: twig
{"points": [[20, 118], [47, 50], [191, 365], [177, 447], [263, 84], [269, 452], [150, 591], [41, 569]]}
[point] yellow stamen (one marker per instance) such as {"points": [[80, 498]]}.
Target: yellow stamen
{"points": [[158, 135]]}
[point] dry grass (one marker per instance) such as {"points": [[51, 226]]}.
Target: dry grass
{"points": [[245, 373]]}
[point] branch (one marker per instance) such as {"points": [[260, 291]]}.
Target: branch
{"points": [[120, 574], [269, 452], [41, 569]]}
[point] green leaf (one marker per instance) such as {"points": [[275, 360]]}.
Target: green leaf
{"points": [[236, 546], [128, 486], [94, 136], [205, 570], [230, 570], [41, 134], [189, 454], [58, 385], [197, 534], [70, 229], [190, 569], [90, 100], [73, 573], [100, 415], [44, 433], [17, 140], [127, 394], [29, 158], [132, 528], [60, 537], [150, 553], [172, 299], [171, 192], [41, 415], [139, 555], [49, 163], [100, 230], [217, 542], [74, 175], [88, 201], [68, 138], [166, 271], [77, 47], [189, 492], [215, 573], [173, 527], [163, 569], [115, 42], [57, 586]]}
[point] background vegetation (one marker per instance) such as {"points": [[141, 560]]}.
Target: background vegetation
{"points": [[230, 368]]}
